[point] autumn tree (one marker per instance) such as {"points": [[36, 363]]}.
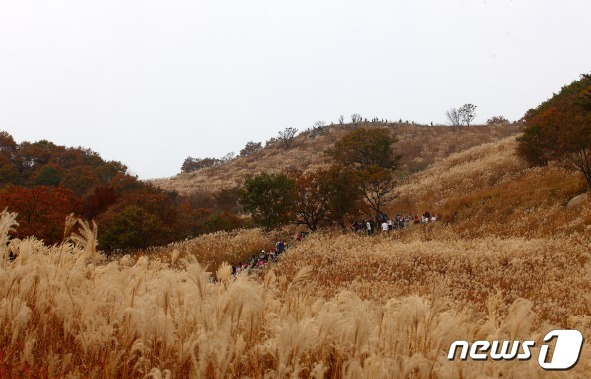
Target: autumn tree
{"points": [[45, 182], [311, 199], [250, 148], [41, 210], [80, 179], [366, 147], [268, 198], [222, 221], [370, 154], [559, 130], [227, 200], [193, 164], [343, 193], [131, 227], [101, 198], [140, 218], [497, 120], [45, 163], [8, 147], [377, 185], [107, 171]]}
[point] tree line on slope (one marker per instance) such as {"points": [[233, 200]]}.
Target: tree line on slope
{"points": [[44, 183]]}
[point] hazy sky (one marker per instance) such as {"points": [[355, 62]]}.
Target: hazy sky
{"points": [[152, 82]]}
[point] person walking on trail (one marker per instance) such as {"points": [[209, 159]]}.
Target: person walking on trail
{"points": [[368, 226]]}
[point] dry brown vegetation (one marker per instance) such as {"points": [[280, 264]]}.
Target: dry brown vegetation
{"points": [[389, 309], [420, 146], [212, 250], [466, 273], [509, 260], [489, 191]]}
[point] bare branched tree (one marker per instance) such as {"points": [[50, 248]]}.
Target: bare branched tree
{"points": [[318, 129], [341, 120], [228, 157], [454, 119], [286, 137], [356, 119], [467, 113]]}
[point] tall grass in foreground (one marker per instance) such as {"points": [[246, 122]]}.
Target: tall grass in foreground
{"points": [[212, 250], [66, 310]]}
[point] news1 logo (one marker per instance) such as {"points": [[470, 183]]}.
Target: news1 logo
{"points": [[566, 351]]}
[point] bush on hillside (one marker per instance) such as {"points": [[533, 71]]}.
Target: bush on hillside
{"points": [[559, 129]]}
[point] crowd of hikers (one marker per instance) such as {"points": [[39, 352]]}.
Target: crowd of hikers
{"points": [[261, 259], [382, 223]]}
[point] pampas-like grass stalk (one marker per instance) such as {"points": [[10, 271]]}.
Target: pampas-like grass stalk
{"points": [[334, 307]]}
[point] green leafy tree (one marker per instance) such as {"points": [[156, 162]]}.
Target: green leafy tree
{"points": [[132, 227], [193, 164], [370, 154], [366, 147], [269, 199], [48, 176]]}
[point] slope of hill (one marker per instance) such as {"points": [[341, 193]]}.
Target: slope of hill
{"points": [[504, 228], [488, 190], [420, 146], [508, 262]]}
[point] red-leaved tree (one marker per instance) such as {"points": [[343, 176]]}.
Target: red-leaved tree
{"points": [[41, 210]]}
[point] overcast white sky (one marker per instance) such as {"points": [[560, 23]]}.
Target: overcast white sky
{"points": [[152, 82]]}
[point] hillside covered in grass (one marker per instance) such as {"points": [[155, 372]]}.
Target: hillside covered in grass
{"points": [[488, 190], [420, 146], [506, 259]]}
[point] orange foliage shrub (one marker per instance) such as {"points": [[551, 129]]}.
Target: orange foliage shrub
{"points": [[42, 210]]}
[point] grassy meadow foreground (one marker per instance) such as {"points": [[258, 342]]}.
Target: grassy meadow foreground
{"points": [[508, 262], [334, 306]]}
